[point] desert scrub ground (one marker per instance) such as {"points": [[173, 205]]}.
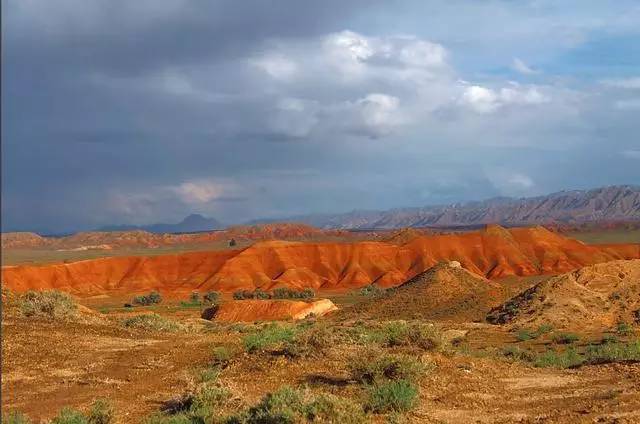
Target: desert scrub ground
{"points": [[163, 367]]}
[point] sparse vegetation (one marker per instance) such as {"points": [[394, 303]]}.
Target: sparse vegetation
{"points": [[567, 359], [371, 368], [613, 352], [372, 290], [70, 416], [393, 396], [152, 298], [285, 293], [526, 334], [270, 336], [197, 408], [288, 406], [51, 304], [624, 329], [565, 338], [152, 322], [211, 297], [15, 417]]}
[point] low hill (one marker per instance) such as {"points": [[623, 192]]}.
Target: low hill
{"points": [[267, 310], [595, 297], [493, 253], [190, 224], [445, 292]]}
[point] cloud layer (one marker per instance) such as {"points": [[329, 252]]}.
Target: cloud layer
{"points": [[121, 112]]}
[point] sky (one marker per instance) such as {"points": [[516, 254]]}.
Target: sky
{"points": [[135, 112]]}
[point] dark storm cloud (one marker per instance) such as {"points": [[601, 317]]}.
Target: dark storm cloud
{"points": [[141, 111]]}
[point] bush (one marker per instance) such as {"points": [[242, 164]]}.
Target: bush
{"points": [[222, 355], [69, 416], [288, 406], [524, 335], [613, 352], [211, 297], [370, 369], [327, 408], [15, 417], [152, 322], [565, 338], [270, 336], [624, 329], [261, 294], [101, 412], [242, 294], [609, 338], [309, 342], [514, 352], [394, 396], [399, 333], [286, 293], [372, 291], [48, 304], [194, 297], [151, 299], [568, 359], [200, 407]]}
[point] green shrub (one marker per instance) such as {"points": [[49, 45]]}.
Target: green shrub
{"points": [[151, 299], [565, 338], [544, 329], [281, 407], [261, 294], [609, 338], [372, 291], [309, 340], [222, 355], [288, 406], [524, 335], [624, 329], [50, 304], [286, 293], [15, 417], [101, 412], [613, 352], [568, 359], [400, 333], [152, 322], [393, 396], [242, 294], [211, 297], [270, 336], [327, 408], [370, 369], [197, 408], [194, 297], [514, 352], [69, 416]]}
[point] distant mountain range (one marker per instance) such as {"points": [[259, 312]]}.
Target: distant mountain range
{"points": [[613, 203], [191, 224]]}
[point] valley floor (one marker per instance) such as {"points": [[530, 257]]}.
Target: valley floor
{"points": [[49, 365]]}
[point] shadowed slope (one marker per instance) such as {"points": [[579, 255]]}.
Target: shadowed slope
{"points": [[594, 297]]}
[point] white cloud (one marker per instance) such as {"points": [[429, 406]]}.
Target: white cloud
{"points": [[276, 65], [523, 68], [520, 181], [380, 113], [627, 104], [199, 191], [486, 100], [629, 83]]}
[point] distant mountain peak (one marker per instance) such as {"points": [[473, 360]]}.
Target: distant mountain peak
{"points": [[190, 224]]}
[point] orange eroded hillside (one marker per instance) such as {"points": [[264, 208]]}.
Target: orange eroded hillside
{"points": [[494, 252]]}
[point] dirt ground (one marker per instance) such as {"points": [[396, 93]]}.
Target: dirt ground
{"points": [[48, 365]]}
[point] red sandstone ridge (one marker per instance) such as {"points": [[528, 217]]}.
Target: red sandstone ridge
{"points": [[493, 253]]}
